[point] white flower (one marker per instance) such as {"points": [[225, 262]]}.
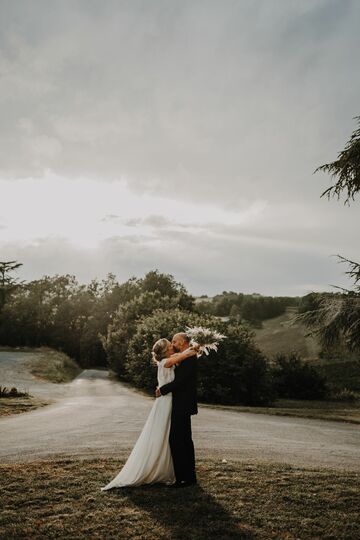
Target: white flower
{"points": [[207, 339]]}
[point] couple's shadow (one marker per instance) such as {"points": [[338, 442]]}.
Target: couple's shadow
{"points": [[187, 512]]}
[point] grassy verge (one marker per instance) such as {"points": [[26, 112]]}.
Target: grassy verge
{"points": [[62, 499], [17, 405], [321, 410], [54, 366]]}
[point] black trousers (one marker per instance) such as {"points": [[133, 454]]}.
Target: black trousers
{"points": [[182, 447]]}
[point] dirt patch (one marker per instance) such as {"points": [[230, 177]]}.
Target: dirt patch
{"points": [[17, 405]]}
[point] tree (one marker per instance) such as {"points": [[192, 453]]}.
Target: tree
{"points": [[346, 168], [335, 317], [7, 283], [124, 323], [166, 285], [235, 313]]}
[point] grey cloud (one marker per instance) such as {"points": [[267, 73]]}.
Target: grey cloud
{"points": [[110, 217], [213, 102], [155, 221], [219, 101], [203, 263], [292, 227]]}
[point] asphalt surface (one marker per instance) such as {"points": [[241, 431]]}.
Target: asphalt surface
{"points": [[97, 416]]}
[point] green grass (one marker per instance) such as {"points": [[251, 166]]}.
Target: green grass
{"points": [[62, 499], [54, 366], [278, 336]]}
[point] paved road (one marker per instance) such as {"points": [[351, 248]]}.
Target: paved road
{"points": [[95, 415]]}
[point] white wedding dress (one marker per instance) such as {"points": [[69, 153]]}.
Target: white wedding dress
{"points": [[150, 460]]}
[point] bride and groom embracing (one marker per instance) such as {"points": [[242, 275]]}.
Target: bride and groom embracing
{"points": [[164, 451]]}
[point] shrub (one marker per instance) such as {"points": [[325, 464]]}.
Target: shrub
{"points": [[12, 392], [345, 395], [238, 373], [124, 325], [160, 323], [296, 379]]}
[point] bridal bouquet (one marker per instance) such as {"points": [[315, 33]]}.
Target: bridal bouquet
{"points": [[205, 338]]}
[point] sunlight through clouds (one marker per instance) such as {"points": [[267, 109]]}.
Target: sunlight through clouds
{"points": [[88, 211]]}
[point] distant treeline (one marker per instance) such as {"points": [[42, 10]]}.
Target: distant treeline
{"points": [[61, 313], [251, 307], [107, 323]]}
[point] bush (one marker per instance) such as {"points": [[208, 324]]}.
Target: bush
{"points": [[161, 323], [345, 395], [296, 379], [124, 325], [237, 374], [12, 392]]}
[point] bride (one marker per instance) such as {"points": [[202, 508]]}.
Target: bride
{"points": [[150, 460]]}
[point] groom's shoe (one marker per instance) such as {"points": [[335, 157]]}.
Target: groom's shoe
{"points": [[183, 483], [176, 484], [192, 482]]}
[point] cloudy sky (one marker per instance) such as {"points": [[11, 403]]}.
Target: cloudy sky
{"points": [[178, 135]]}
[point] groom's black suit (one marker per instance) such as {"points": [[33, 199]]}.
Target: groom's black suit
{"points": [[184, 404]]}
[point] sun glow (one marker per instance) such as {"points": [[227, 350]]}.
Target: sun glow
{"points": [[88, 211]]}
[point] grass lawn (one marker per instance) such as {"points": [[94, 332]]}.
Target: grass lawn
{"points": [[50, 364], [54, 366], [278, 335], [62, 499]]}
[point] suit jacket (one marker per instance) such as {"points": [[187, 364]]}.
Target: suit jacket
{"points": [[184, 387]]}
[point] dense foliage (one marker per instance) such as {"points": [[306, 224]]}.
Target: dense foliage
{"points": [[111, 324], [61, 313], [238, 373], [337, 320], [253, 308], [293, 378]]}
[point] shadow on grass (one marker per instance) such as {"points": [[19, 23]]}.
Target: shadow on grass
{"points": [[188, 512]]}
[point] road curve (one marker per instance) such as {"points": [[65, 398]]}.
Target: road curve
{"points": [[96, 416]]}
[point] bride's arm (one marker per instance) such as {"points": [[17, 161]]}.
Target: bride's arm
{"points": [[179, 357]]}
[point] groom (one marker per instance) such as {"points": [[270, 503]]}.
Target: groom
{"points": [[184, 404]]}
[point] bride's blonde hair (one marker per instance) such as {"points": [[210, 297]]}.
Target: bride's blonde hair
{"points": [[159, 349]]}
